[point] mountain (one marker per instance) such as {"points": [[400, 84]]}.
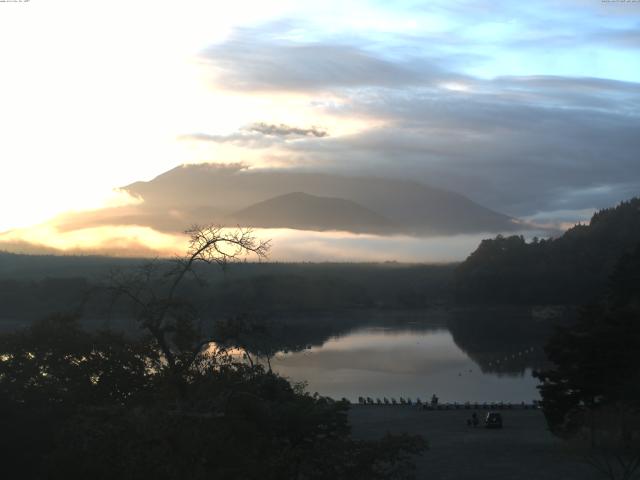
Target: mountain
{"points": [[175, 196], [309, 212], [571, 269]]}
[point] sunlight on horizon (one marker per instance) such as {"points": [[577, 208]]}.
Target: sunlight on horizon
{"points": [[98, 96], [288, 245], [113, 106]]}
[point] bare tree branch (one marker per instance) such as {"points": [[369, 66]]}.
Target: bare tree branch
{"points": [[154, 296]]}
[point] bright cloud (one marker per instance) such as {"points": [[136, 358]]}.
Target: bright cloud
{"points": [[528, 107]]}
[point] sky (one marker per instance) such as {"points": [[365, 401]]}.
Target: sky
{"points": [[529, 108]]}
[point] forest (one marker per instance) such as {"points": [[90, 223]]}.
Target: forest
{"points": [[570, 269], [77, 285]]}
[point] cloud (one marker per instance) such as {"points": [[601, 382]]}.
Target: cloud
{"points": [[521, 145], [524, 144], [114, 240], [260, 135], [282, 130], [287, 244], [561, 220], [240, 139], [256, 60], [629, 38], [513, 156]]}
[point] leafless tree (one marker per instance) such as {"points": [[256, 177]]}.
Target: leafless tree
{"points": [[152, 292]]}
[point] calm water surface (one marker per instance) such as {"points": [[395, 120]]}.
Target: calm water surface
{"points": [[409, 361]]}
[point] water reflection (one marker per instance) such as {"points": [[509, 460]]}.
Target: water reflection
{"points": [[457, 357]]}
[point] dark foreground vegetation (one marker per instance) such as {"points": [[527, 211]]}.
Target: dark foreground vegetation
{"points": [[171, 404], [98, 405], [591, 395]]}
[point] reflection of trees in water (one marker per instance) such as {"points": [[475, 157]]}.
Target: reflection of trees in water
{"points": [[503, 341], [298, 332]]}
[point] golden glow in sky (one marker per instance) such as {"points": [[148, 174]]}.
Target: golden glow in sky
{"points": [[94, 95], [469, 97]]}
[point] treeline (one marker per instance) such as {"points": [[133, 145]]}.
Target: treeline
{"points": [[571, 269], [36, 267], [243, 289], [334, 286]]}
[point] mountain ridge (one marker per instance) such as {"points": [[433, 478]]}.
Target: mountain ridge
{"points": [[303, 211], [413, 207]]}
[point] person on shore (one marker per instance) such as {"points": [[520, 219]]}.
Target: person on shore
{"points": [[474, 419], [434, 400]]}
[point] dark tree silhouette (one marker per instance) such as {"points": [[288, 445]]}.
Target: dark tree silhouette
{"points": [[153, 293], [570, 269], [592, 394], [165, 405]]}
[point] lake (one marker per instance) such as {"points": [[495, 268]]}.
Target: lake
{"points": [[481, 355], [417, 356]]}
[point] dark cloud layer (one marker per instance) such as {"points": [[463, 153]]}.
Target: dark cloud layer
{"points": [[260, 135], [510, 154], [248, 61], [519, 144]]}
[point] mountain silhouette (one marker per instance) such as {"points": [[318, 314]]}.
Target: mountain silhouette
{"points": [[402, 206], [309, 212]]}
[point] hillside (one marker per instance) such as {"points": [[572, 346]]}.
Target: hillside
{"points": [[309, 212], [573, 268], [412, 207]]}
